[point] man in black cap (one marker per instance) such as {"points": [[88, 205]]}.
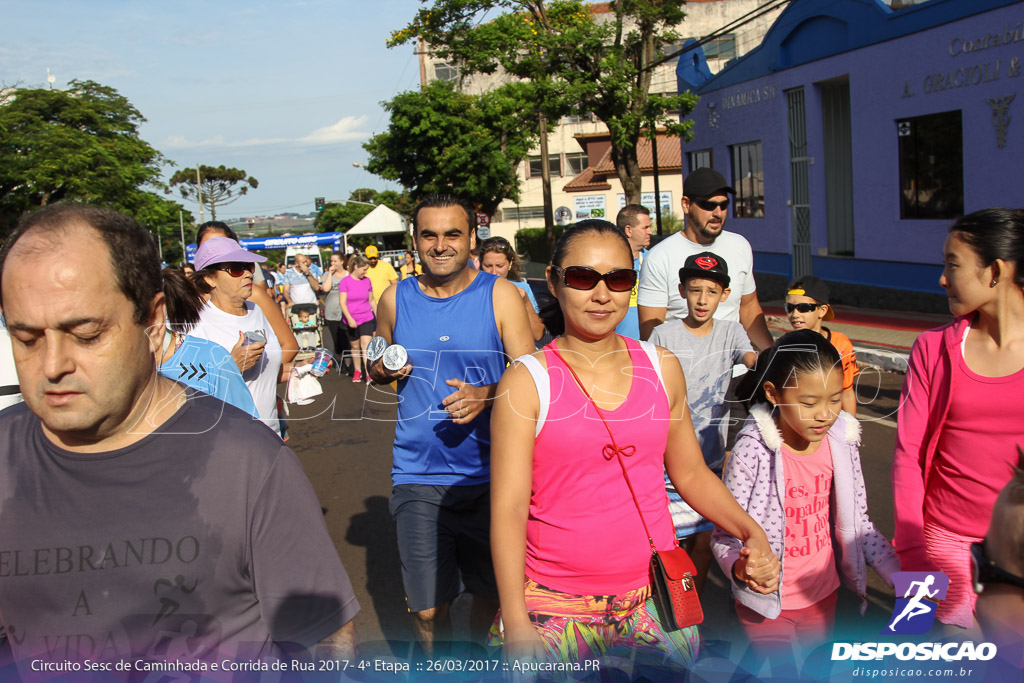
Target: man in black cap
{"points": [[705, 202]]}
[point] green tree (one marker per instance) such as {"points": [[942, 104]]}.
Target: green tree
{"points": [[76, 144], [338, 217], [160, 216], [601, 62], [443, 140], [399, 202], [216, 183]]}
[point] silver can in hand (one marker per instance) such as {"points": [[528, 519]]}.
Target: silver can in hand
{"points": [[375, 349], [395, 357]]}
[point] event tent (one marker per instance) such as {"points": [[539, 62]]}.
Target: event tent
{"points": [[381, 220]]}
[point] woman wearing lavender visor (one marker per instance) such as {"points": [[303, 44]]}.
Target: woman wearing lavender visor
{"points": [[224, 274]]}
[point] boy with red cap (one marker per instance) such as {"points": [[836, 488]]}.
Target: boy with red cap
{"points": [[707, 349]]}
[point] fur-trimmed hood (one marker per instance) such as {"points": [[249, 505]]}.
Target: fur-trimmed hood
{"points": [[755, 473], [846, 428]]}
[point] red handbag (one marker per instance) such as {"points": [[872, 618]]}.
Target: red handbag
{"points": [[672, 571], [675, 595]]}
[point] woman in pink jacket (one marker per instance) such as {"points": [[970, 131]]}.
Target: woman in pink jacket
{"points": [[961, 413]]}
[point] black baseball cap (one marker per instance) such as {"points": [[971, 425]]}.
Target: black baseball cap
{"points": [[705, 182], [706, 265], [812, 287]]}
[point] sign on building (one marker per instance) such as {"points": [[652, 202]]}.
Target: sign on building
{"points": [[647, 199], [589, 206]]}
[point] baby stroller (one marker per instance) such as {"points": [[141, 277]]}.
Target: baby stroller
{"points": [[308, 329]]}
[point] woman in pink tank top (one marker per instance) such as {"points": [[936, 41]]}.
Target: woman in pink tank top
{"points": [[571, 554]]}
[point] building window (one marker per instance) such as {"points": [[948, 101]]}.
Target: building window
{"points": [[554, 164], [578, 118], [700, 159], [748, 180], [721, 47], [446, 72], [931, 165], [575, 162], [522, 213]]}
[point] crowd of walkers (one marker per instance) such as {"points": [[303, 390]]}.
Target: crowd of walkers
{"points": [[541, 453]]}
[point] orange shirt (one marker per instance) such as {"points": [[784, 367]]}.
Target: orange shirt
{"points": [[845, 348]]}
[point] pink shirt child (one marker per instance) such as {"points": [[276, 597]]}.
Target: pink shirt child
{"points": [[810, 560]]}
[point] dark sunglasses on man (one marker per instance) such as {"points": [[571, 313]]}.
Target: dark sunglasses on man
{"points": [[984, 571], [581, 277], [709, 205]]}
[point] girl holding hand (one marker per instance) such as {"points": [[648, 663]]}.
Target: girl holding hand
{"points": [[796, 469]]}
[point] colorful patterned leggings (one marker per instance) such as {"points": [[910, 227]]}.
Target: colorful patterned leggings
{"points": [[575, 628]]}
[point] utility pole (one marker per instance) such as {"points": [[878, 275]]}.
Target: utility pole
{"points": [[657, 186], [545, 174], [181, 224], [199, 194]]}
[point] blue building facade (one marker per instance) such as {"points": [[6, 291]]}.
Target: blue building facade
{"points": [[856, 134]]}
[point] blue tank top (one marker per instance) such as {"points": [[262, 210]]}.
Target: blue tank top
{"points": [[452, 338]]}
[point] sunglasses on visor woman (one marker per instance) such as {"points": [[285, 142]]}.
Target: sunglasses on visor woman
{"points": [[581, 277], [238, 269]]}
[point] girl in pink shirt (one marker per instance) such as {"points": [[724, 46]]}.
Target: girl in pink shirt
{"points": [[796, 469], [570, 552], [961, 414]]}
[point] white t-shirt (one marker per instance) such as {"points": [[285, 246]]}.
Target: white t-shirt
{"points": [[299, 288], [223, 328], [9, 394], [659, 276]]}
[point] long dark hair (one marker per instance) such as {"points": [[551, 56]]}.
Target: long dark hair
{"points": [[995, 234], [793, 353], [551, 313], [182, 299]]}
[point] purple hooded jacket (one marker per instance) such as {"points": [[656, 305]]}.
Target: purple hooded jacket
{"points": [[754, 476]]}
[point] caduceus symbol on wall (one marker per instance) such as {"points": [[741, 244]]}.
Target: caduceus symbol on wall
{"points": [[1001, 116]]}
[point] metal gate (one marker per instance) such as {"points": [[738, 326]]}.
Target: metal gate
{"points": [[799, 197]]}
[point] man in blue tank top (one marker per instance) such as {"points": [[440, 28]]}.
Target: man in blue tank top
{"points": [[460, 327]]}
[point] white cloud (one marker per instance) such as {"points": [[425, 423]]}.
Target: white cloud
{"points": [[180, 142], [345, 130]]}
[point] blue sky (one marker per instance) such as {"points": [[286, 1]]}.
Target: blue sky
{"points": [[287, 91]]}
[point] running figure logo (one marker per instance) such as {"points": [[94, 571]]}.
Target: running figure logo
{"points": [[915, 611]]}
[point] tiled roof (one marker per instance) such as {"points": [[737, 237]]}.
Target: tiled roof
{"points": [[670, 156], [586, 181]]}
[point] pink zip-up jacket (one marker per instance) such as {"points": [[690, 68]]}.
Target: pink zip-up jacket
{"points": [[924, 404], [754, 474]]}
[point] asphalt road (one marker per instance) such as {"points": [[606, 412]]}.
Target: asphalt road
{"points": [[344, 442]]}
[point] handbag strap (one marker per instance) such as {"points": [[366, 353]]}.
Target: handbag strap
{"points": [[615, 450]]}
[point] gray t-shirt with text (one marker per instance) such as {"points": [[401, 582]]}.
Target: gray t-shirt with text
{"points": [[707, 365], [202, 541]]}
